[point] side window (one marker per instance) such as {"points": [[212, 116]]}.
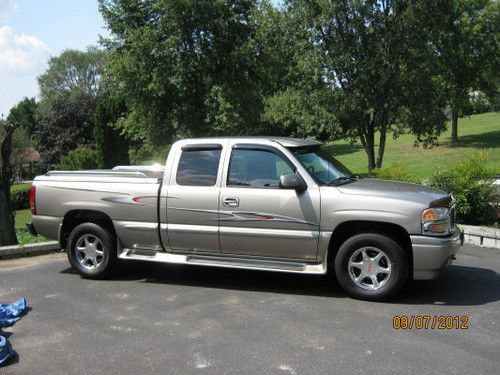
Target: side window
{"points": [[198, 167], [256, 168]]}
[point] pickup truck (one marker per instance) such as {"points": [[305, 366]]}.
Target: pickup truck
{"points": [[260, 203]]}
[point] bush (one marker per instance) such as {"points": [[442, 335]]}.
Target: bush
{"points": [[20, 196], [396, 174], [477, 104], [147, 154], [470, 182], [80, 158]]}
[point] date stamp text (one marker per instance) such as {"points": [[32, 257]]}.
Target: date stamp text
{"points": [[458, 322]]}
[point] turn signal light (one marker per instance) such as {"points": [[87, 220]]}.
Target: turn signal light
{"points": [[438, 228], [429, 215]]}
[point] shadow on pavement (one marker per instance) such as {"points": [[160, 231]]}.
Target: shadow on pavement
{"points": [[225, 278], [459, 286]]}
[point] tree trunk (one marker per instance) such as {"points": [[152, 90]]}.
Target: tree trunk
{"points": [[454, 126], [7, 231], [368, 146], [381, 146], [7, 226]]}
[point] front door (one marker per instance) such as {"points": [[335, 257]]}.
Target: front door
{"points": [[260, 219]]}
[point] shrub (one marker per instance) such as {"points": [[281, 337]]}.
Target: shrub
{"points": [[477, 104], [20, 196], [395, 173], [147, 154], [470, 182], [80, 158]]}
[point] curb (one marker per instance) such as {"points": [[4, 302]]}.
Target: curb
{"points": [[481, 236], [29, 249]]}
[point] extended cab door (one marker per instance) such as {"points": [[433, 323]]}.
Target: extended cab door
{"points": [[257, 217], [192, 198]]}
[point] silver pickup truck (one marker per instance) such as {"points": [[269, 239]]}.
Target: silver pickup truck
{"points": [[275, 204]]}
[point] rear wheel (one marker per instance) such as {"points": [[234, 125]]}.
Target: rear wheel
{"points": [[371, 266], [92, 250]]}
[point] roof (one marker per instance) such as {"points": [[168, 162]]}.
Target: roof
{"points": [[284, 141]]}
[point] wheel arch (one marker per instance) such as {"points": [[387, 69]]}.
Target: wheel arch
{"points": [[347, 229], [75, 217]]}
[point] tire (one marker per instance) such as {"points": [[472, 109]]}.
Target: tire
{"points": [[371, 266], [97, 257]]}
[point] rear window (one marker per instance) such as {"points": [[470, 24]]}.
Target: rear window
{"points": [[198, 167]]}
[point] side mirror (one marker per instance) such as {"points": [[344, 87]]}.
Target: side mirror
{"points": [[292, 181]]}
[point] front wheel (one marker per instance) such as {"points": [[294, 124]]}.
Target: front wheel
{"points": [[92, 250], [371, 266]]}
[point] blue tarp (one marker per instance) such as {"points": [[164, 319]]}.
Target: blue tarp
{"points": [[9, 314]]}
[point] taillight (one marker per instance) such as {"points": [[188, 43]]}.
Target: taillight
{"points": [[33, 199]]}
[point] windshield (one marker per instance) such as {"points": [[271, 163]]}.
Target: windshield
{"points": [[324, 168]]}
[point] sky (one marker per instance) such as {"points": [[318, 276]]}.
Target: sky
{"points": [[31, 31]]}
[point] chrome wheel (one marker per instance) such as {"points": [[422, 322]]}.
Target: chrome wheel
{"points": [[369, 268], [89, 251]]}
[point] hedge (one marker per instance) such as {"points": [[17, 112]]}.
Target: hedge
{"points": [[20, 196]]}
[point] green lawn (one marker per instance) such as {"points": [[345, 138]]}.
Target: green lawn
{"points": [[475, 132], [23, 236]]}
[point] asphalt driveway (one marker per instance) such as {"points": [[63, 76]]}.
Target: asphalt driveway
{"points": [[181, 320]]}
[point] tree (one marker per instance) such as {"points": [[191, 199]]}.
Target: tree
{"points": [[296, 99], [63, 125], [302, 113], [69, 90], [13, 141], [73, 72], [378, 64], [468, 46], [111, 146], [7, 232], [186, 68], [24, 114]]}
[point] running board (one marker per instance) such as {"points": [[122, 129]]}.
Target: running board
{"points": [[223, 261]]}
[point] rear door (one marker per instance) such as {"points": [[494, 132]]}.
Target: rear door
{"points": [[193, 198], [260, 219]]}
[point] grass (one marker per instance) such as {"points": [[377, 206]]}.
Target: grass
{"points": [[475, 132], [23, 236]]}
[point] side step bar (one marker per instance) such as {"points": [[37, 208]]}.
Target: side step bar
{"points": [[223, 261]]}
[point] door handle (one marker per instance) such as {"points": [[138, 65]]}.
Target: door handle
{"points": [[231, 202]]}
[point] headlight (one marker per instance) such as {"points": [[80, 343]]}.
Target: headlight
{"points": [[436, 221]]}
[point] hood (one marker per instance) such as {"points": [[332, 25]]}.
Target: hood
{"points": [[392, 189]]}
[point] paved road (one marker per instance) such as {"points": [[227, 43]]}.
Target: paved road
{"points": [[182, 320]]}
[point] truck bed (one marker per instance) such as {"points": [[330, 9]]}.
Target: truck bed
{"points": [[128, 198]]}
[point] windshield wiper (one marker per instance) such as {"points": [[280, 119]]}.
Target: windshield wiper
{"points": [[343, 179]]}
